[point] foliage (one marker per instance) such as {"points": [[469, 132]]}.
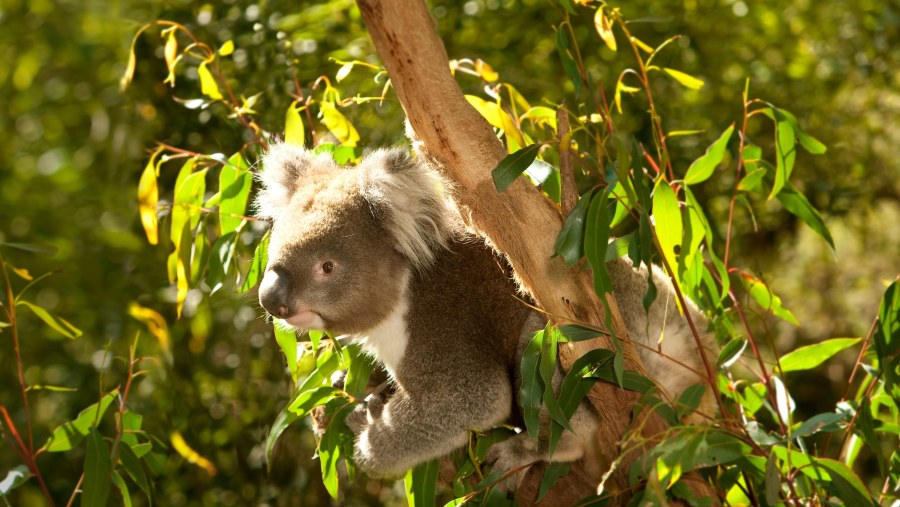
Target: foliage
{"points": [[205, 393]]}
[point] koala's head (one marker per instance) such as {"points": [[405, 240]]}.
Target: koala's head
{"points": [[345, 239]]}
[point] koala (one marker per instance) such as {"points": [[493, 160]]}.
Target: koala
{"points": [[378, 252]]}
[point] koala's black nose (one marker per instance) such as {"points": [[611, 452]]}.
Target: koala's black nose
{"points": [[274, 291]]}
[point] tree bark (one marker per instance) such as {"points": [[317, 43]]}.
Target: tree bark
{"points": [[520, 222]]}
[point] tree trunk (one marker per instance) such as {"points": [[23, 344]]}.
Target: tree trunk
{"points": [[520, 222]]}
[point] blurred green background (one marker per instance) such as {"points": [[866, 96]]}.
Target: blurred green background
{"points": [[73, 146]]}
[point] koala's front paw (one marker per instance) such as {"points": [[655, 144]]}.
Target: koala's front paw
{"points": [[513, 456], [358, 419]]}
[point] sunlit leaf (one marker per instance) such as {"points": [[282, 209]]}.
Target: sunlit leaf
{"points": [[667, 221], [171, 55], [485, 71], [58, 324], [128, 75], [329, 449], [702, 168], [785, 152], [810, 356], [190, 455], [542, 115], [22, 273], [294, 131], [686, 80], [784, 403], [227, 48], [287, 341], [155, 323], [97, 472], [148, 198], [828, 421], [208, 84], [420, 484], [846, 485], [338, 124], [731, 352], [604, 29], [73, 432]]}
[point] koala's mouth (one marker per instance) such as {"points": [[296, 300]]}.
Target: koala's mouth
{"points": [[305, 319]]}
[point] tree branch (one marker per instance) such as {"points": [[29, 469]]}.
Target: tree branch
{"points": [[519, 222]]}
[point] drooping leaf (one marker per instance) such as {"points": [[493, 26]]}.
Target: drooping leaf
{"points": [[571, 68], [702, 168], [887, 338], [148, 198], [420, 483], [258, 267], [32, 247], [97, 472], [570, 241], [531, 391], [785, 152], [513, 165], [287, 341], [731, 352], [234, 183], [123, 489], [810, 356], [828, 421], [797, 204], [329, 449], [132, 464], [554, 471], [227, 48], [59, 324], [845, 483], [294, 131], [604, 29], [155, 323], [667, 221], [208, 84], [596, 239]]}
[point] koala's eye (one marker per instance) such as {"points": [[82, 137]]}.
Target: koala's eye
{"points": [[327, 267]]}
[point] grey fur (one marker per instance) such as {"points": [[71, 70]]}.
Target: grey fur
{"points": [[378, 252]]}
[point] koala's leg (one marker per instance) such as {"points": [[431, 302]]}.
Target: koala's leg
{"points": [[417, 425]]}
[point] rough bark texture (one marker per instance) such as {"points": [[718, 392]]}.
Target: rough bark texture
{"points": [[520, 221]]}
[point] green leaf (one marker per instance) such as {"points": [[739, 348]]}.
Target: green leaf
{"points": [[887, 338], [234, 182], [73, 432], [287, 341], [702, 168], [773, 480], [667, 220], [785, 152], [571, 68], [731, 352], [59, 324], [123, 488], [596, 240], [220, 261], [97, 472], [686, 80], [767, 299], [577, 333], [306, 400], [513, 165], [32, 247], [552, 473], [810, 356], [132, 464], [798, 205], [690, 399], [14, 478], [359, 370], [828, 421], [329, 449], [420, 483], [208, 85], [845, 484], [570, 241], [531, 391], [294, 131], [258, 267]]}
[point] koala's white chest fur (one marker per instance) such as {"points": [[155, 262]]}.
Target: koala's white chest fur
{"points": [[388, 339]]}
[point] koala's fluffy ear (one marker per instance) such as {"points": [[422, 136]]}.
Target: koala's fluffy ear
{"points": [[282, 166], [413, 201]]}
